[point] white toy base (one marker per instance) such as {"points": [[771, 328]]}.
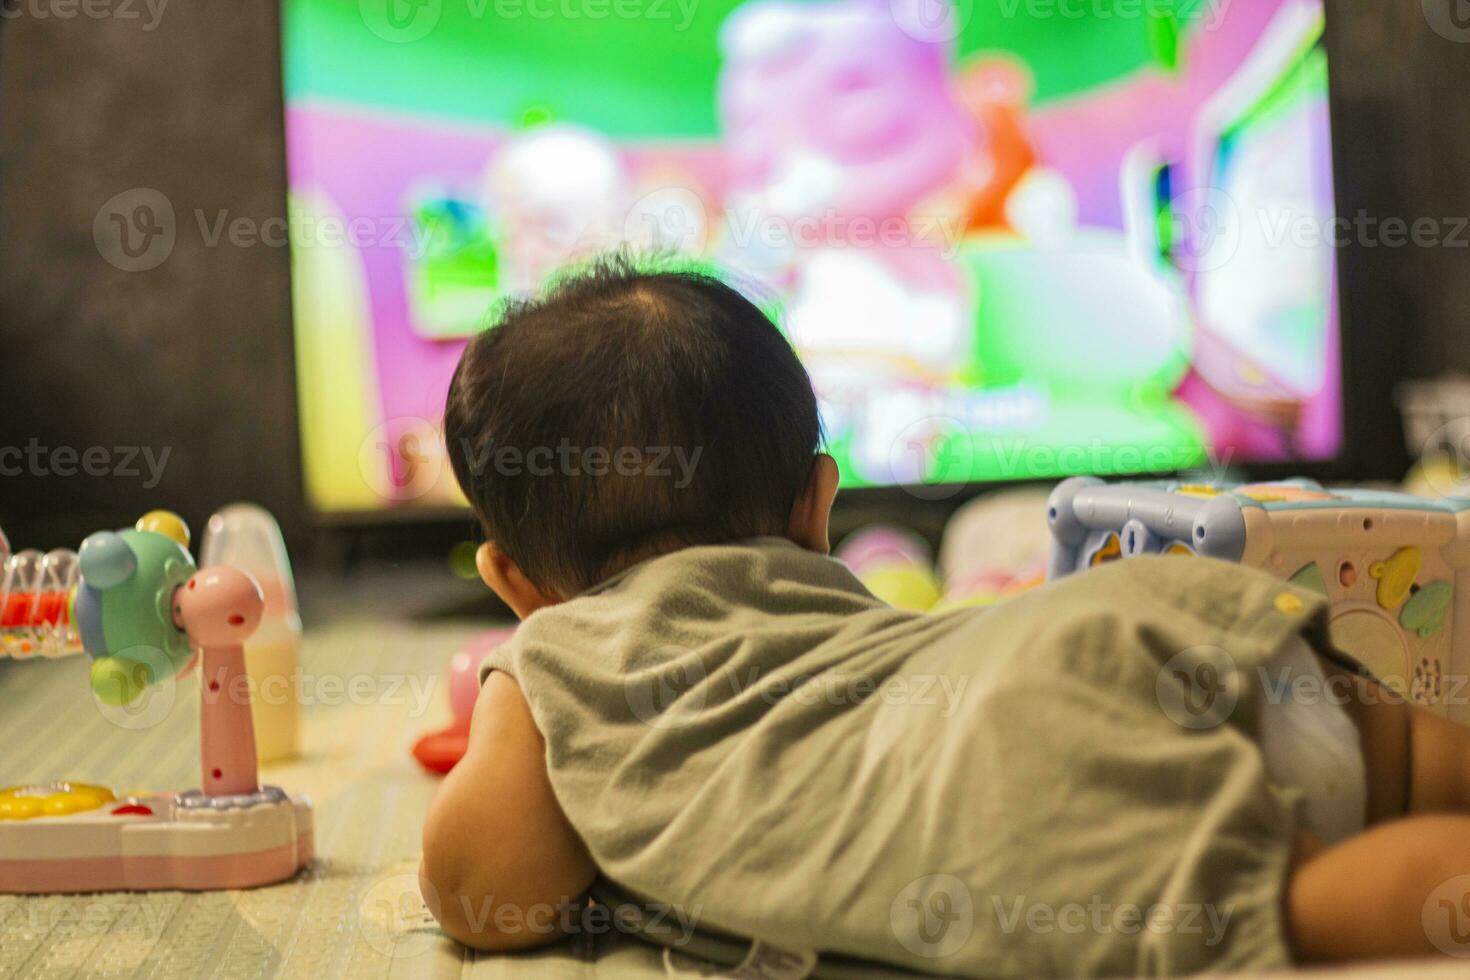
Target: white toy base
{"points": [[182, 841]]}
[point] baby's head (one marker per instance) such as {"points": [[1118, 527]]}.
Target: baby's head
{"points": [[628, 413]]}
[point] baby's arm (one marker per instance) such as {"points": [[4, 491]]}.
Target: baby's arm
{"points": [[1417, 761], [500, 859], [1401, 888]]}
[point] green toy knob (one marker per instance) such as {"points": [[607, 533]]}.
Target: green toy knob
{"points": [[117, 681]]}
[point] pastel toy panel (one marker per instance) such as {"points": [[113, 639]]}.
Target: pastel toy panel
{"points": [[1393, 566], [58, 838]]}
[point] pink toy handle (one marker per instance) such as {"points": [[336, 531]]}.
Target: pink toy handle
{"points": [[226, 727], [219, 607]]}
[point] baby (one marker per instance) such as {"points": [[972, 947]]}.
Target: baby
{"points": [[702, 712]]}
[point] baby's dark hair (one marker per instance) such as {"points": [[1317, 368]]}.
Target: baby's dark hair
{"points": [[628, 411]]}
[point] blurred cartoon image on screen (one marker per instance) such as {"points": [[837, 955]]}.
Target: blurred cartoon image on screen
{"points": [[1006, 247]]}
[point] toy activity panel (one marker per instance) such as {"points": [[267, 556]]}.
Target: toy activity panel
{"points": [[1393, 566]]}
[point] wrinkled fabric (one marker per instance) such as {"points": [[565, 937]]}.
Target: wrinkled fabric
{"points": [[1065, 784]]}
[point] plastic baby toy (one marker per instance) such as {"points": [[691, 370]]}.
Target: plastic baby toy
{"points": [[246, 536], [1393, 566], [142, 609], [34, 620]]}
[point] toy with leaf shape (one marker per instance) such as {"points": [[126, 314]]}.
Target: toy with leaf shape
{"points": [[144, 612]]}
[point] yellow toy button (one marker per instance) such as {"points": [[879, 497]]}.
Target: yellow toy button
{"points": [[1289, 602], [166, 523], [51, 800], [1395, 576], [1111, 550]]}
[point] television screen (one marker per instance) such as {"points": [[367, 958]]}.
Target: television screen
{"points": [[1010, 239]]}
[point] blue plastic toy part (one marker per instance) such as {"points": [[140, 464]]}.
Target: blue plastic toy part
{"points": [[106, 560], [1091, 521], [86, 612], [1137, 539], [124, 609]]}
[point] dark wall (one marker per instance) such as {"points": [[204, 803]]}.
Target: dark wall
{"points": [[1401, 69], [1401, 76], [193, 357]]}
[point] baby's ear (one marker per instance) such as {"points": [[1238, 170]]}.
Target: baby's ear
{"points": [[812, 512], [505, 578]]}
